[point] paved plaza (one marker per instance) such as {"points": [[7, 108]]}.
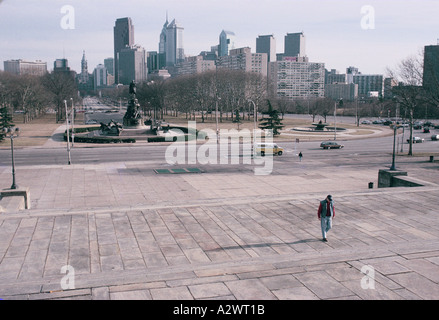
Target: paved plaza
{"points": [[121, 231]]}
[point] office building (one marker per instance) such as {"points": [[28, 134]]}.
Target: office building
{"points": [[123, 37], [109, 64], [132, 65], [152, 61], [195, 65], [20, 67], [100, 75], [174, 50], [430, 79], [334, 77], [389, 84], [244, 59], [267, 44], [350, 73], [295, 45], [61, 66], [162, 46], [345, 91], [297, 78], [369, 85], [226, 43]]}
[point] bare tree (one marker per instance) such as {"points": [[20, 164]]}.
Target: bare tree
{"points": [[61, 86], [409, 94]]}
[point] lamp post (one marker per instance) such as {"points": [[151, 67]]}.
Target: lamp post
{"points": [[395, 128], [340, 102], [73, 122], [68, 134], [12, 133], [254, 130]]}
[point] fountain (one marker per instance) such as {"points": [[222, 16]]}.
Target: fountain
{"points": [[320, 126], [133, 127]]}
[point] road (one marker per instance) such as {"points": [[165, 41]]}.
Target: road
{"points": [[374, 147], [364, 151]]}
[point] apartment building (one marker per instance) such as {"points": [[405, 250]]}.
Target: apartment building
{"points": [[297, 78], [195, 65], [244, 59]]}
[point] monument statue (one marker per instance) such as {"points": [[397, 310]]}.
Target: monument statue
{"points": [[132, 117], [113, 128]]}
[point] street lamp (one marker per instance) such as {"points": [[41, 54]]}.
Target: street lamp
{"points": [[73, 122], [340, 102], [395, 128], [12, 133], [68, 134], [254, 131]]}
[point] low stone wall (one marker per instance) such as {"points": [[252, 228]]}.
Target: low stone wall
{"points": [[393, 178], [386, 177]]}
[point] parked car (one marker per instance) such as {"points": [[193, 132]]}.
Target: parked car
{"points": [[435, 137], [426, 130], [268, 148], [416, 140], [366, 122], [91, 122], [331, 145]]}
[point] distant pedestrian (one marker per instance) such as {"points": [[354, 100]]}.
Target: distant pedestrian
{"points": [[325, 214], [300, 156]]}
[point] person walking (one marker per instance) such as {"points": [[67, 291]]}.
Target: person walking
{"points": [[300, 156], [325, 214]]}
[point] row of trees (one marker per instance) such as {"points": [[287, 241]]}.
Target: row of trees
{"points": [[235, 91], [34, 95], [227, 90]]}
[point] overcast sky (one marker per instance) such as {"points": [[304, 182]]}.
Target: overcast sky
{"points": [[334, 29]]}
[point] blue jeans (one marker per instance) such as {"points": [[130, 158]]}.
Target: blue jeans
{"points": [[326, 224]]}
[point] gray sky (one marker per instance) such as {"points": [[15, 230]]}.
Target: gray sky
{"points": [[335, 35]]}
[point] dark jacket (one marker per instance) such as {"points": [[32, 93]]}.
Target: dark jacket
{"points": [[323, 209]]}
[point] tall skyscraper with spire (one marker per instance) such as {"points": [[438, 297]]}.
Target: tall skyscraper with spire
{"points": [[162, 44], [123, 37], [174, 44], [171, 50]]}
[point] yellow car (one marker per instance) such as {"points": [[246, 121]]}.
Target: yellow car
{"points": [[268, 148]]}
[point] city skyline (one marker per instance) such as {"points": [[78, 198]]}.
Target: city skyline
{"points": [[334, 30]]}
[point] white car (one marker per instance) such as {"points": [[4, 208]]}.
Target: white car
{"points": [[416, 140], [91, 122]]}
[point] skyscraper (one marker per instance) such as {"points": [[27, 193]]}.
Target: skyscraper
{"points": [[295, 45], [174, 44], [267, 44], [132, 65], [431, 68], [226, 43], [162, 45], [123, 37], [100, 76]]}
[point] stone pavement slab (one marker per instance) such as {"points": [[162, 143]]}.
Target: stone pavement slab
{"points": [[246, 248]]}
